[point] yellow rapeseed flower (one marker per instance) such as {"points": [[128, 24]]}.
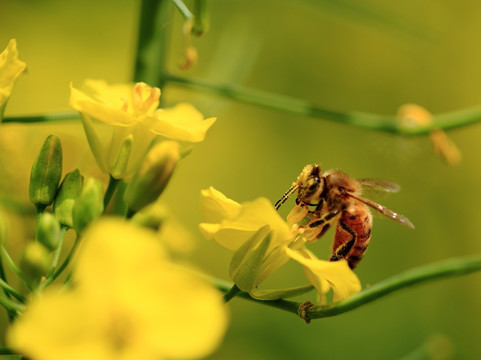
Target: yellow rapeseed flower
{"points": [[10, 69], [132, 115], [263, 242], [128, 302]]}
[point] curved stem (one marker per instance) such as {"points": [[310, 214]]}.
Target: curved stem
{"points": [[62, 267], [302, 107], [8, 290], [11, 264], [422, 274]]}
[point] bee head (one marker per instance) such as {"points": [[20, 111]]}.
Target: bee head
{"points": [[340, 185], [310, 183]]}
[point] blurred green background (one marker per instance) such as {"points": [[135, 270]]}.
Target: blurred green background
{"points": [[347, 55]]}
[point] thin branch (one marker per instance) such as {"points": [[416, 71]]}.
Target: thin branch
{"points": [[49, 117], [183, 9], [302, 107], [437, 271], [444, 269]]}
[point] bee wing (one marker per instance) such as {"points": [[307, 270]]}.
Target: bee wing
{"points": [[380, 184], [385, 211]]}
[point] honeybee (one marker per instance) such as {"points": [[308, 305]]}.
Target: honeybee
{"points": [[333, 196]]}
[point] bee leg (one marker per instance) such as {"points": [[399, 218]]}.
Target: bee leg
{"points": [[318, 227], [342, 251]]}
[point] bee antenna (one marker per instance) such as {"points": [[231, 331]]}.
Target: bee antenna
{"points": [[286, 195]]}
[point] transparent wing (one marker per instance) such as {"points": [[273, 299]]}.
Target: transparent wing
{"points": [[380, 184], [385, 211]]}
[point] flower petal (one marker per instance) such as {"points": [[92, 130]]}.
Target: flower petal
{"points": [[253, 215], [103, 102], [324, 274], [10, 69], [182, 122], [216, 207]]}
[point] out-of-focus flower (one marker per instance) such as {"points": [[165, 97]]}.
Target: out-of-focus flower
{"points": [[131, 113], [129, 302], [263, 242], [412, 115], [10, 69]]}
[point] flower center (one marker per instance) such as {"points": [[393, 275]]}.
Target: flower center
{"points": [[144, 99]]}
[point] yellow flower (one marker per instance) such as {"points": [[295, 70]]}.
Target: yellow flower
{"points": [[10, 69], [263, 242], [324, 275], [131, 113], [128, 302]]}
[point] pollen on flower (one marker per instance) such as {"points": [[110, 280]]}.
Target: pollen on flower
{"points": [[141, 106]]}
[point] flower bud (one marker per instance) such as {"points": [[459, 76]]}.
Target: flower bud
{"points": [[35, 261], [246, 264], [152, 176], [67, 195], [46, 172], [89, 205], [48, 231]]}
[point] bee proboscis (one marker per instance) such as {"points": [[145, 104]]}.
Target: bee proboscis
{"points": [[333, 196]]}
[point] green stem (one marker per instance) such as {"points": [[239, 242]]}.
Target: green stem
{"points": [[11, 264], [302, 107], [10, 290], [113, 183], [426, 273], [62, 267], [444, 269], [234, 290], [151, 42], [184, 10], [12, 307], [58, 251], [59, 116]]}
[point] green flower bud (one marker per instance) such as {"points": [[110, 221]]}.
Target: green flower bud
{"points": [[46, 172], [48, 231], [246, 263], [89, 205], [35, 262], [152, 176], [67, 195]]}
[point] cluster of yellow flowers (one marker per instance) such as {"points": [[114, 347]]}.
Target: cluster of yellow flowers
{"points": [[126, 299]]}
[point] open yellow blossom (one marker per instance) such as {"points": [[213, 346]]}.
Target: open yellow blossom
{"points": [[263, 242], [10, 69], [132, 116], [128, 302]]}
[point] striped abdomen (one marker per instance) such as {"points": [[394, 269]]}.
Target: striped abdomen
{"points": [[353, 233]]}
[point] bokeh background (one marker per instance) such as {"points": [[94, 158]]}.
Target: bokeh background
{"points": [[348, 55]]}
